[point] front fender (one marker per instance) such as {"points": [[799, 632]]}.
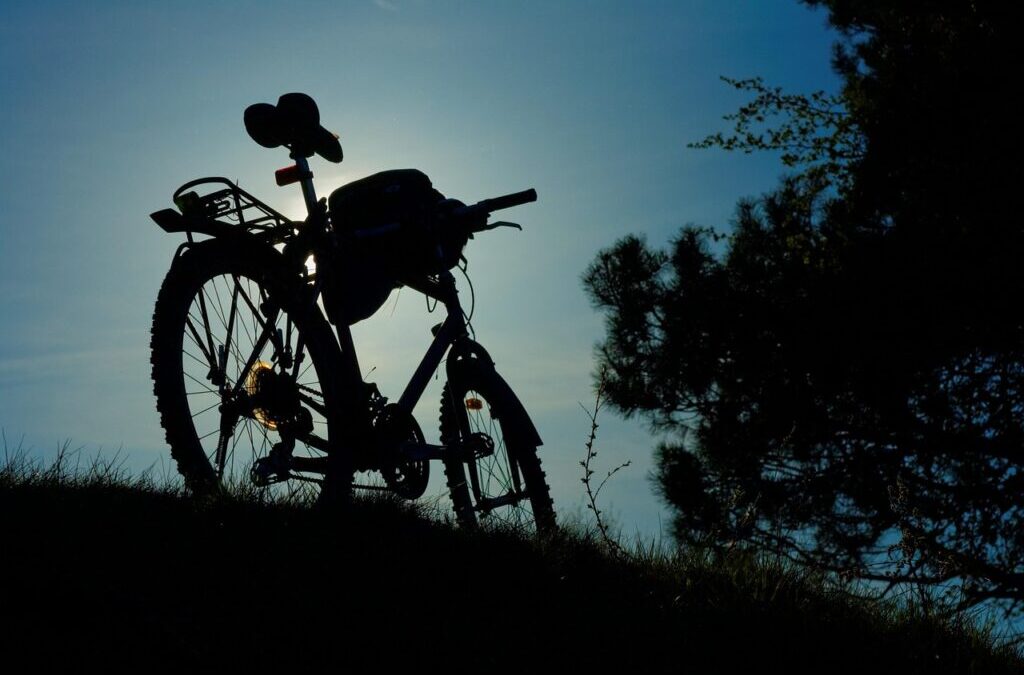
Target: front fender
{"points": [[469, 362]]}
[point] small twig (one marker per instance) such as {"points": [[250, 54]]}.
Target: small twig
{"points": [[593, 493]]}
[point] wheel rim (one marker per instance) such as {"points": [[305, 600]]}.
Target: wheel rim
{"points": [[497, 477], [230, 316]]}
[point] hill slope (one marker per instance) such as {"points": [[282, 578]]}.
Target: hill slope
{"points": [[119, 575]]}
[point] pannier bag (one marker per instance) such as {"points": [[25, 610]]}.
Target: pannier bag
{"points": [[390, 229]]}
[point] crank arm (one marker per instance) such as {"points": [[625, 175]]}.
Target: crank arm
{"points": [[475, 448], [420, 451]]}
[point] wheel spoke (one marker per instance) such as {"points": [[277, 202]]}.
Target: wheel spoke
{"points": [[231, 322], [225, 323], [205, 436], [199, 341], [202, 384], [206, 325], [195, 358], [229, 325], [211, 407], [248, 429]]}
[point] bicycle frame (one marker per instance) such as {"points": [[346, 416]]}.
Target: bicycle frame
{"points": [[450, 334]]}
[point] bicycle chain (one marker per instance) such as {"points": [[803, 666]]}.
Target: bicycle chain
{"points": [[309, 390]]}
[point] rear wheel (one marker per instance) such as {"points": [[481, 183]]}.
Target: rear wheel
{"points": [[242, 363], [499, 479]]}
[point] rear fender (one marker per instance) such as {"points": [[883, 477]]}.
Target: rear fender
{"points": [[278, 271], [171, 221]]}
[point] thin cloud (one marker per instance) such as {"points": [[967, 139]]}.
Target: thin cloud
{"points": [[69, 365], [386, 5]]}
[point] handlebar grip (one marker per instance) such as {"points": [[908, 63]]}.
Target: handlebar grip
{"points": [[508, 201]]}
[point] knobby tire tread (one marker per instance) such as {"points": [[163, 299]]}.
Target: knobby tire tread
{"points": [[494, 389]]}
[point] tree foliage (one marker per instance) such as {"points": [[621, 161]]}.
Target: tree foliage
{"points": [[810, 131], [843, 381]]}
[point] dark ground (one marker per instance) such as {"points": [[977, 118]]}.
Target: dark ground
{"points": [[113, 576]]}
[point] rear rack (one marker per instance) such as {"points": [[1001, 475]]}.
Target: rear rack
{"points": [[231, 206]]}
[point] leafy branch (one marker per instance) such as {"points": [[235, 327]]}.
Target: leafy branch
{"points": [[814, 130], [588, 473]]}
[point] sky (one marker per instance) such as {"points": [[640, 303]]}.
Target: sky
{"points": [[107, 107]]}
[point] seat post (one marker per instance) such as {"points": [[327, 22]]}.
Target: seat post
{"points": [[308, 191]]}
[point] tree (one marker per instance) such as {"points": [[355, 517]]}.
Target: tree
{"points": [[844, 382]]}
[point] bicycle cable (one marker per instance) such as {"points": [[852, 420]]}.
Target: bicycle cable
{"points": [[394, 305], [464, 267], [430, 308]]}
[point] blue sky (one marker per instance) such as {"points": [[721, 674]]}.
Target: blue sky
{"points": [[106, 107]]}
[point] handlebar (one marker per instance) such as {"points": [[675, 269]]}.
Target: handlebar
{"points": [[508, 201], [485, 207]]}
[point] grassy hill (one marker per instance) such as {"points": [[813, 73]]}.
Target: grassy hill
{"points": [[103, 571]]}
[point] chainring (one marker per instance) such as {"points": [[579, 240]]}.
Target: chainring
{"points": [[405, 477]]}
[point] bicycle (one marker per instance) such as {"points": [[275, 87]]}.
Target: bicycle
{"points": [[254, 370]]}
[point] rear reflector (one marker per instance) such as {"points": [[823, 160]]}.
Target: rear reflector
{"points": [[290, 174]]}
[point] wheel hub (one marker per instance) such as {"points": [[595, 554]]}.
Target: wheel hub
{"points": [[478, 446]]}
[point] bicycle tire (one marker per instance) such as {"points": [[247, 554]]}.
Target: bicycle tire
{"points": [[201, 272], [501, 418]]}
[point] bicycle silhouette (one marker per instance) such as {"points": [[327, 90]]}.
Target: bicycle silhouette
{"points": [[251, 381]]}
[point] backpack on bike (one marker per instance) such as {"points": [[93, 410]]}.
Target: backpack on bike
{"points": [[392, 228]]}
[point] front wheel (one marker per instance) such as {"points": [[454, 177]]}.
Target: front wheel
{"points": [[493, 473]]}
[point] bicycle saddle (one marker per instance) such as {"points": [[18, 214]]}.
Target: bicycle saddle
{"points": [[294, 123]]}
